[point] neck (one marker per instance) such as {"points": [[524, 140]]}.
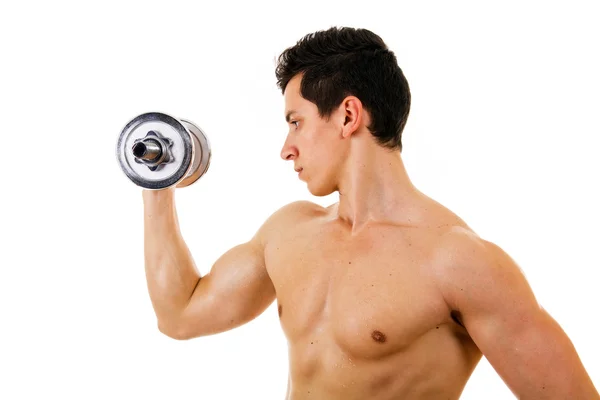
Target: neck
{"points": [[374, 187]]}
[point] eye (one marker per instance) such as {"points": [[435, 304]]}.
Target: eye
{"points": [[295, 123]]}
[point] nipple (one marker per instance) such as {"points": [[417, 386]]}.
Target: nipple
{"points": [[378, 336]]}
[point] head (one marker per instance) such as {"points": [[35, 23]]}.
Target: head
{"points": [[337, 84]]}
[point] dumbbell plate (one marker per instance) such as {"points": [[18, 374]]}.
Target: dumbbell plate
{"points": [[202, 154], [167, 174]]}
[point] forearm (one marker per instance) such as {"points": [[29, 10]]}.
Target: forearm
{"points": [[170, 270]]}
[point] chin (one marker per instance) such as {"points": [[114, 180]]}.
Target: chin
{"points": [[320, 190]]}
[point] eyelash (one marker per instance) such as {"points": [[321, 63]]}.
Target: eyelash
{"points": [[294, 122]]}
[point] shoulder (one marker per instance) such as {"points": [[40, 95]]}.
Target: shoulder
{"points": [[458, 246], [288, 216], [467, 266], [294, 211]]}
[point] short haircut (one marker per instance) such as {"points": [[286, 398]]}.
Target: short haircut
{"points": [[343, 61]]}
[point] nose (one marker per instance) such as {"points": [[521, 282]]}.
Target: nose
{"points": [[289, 151]]}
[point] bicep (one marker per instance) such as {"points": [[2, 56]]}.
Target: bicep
{"points": [[236, 290], [238, 287]]}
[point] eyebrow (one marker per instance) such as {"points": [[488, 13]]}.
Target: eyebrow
{"points": [[289, 114]]}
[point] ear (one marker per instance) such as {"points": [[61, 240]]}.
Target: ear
{"points": [[352, 114]]}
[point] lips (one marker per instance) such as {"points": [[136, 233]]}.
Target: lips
{"points": [[298, 169]]}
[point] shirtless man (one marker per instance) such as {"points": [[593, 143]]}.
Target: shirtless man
{"points": [[384, 295]]}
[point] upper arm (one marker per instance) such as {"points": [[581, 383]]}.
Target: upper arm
{"points": [[237, 288], [521, 340]]}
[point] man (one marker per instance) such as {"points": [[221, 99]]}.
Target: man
{"points": [[386, 294]]}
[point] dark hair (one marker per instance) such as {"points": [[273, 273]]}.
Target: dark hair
{"points": [[339, 62]]}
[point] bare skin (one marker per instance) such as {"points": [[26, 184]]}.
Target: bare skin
{"points": [[362, 313], [386, 294]]}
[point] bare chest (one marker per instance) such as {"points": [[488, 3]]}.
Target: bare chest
{"points": [[371, 296]]}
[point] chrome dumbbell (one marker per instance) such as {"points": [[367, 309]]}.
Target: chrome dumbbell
{"points": [[157, 151]]}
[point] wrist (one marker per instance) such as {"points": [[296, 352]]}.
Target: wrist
{"points": [[158, 195]]}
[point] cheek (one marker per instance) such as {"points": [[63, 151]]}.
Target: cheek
{"points": [[321, 147], [324, 140]]}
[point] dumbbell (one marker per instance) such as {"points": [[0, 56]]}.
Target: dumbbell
{"points": [[158, 151]]}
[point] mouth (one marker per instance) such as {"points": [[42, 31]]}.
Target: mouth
{"points": [[298, 170]]}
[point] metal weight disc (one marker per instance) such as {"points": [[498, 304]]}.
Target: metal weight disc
{"points": [[202, 154], [181, 151]]}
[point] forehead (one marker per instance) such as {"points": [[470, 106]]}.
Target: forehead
{"points": [[293, 100], [292, 90]]}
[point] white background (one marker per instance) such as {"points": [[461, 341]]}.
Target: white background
{"points": [[503, 130]]}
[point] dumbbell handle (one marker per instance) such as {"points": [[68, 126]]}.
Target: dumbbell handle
{"points": [[147, 149]]}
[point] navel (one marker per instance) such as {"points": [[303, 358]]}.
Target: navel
{"points": [[378, 336]]}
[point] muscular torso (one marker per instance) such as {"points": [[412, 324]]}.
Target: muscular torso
{"points": [[362, 313]]}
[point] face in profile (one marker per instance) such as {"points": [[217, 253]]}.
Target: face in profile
{"points": [[315, 145]]}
